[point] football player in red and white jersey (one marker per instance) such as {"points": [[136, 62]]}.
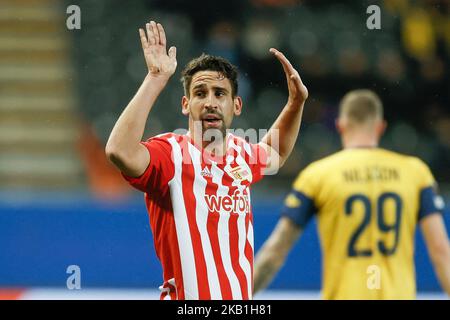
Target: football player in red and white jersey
{"points": [[197, 189]]}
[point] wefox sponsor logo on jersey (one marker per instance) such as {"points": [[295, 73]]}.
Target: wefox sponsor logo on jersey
{"points": [[237, 203]]}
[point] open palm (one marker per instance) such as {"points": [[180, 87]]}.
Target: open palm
{"points": [[159, 61]]}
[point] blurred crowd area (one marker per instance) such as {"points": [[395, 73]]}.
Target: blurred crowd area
{"points": [[406, 62]]}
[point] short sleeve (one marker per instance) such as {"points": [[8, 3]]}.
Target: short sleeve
{"points": [[430, 200], [299, 203], [160, 169], [258, 162]]}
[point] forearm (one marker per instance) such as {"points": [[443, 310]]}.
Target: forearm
{"points": [[442, 269], [284, 131], [266, 267], [438, 245], [274, 251], [129, 128]]}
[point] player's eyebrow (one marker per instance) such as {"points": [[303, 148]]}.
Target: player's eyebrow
{"points": [[203, 86], [199, 86]]}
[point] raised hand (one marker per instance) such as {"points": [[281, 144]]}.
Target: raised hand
{"points": [[298, 93], [160, 63]]}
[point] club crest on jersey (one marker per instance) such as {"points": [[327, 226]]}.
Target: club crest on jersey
{"points": [[239, 173], [206, 173]]}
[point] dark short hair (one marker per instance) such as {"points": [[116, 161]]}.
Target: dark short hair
{"points": [[207, 62]]}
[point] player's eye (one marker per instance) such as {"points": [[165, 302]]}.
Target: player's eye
{"points": [[220, 93], [199, 94]]}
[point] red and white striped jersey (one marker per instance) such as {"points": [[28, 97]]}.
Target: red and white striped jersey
{"points": [[201, 217]]}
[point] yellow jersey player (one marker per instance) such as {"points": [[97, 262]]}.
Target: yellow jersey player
{"points": [[367, 201]]}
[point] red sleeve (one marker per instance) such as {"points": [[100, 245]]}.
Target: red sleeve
{"points": [[160, 169], [258, 162]]}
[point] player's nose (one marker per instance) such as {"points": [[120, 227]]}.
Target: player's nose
{"points": [[211, 102]]}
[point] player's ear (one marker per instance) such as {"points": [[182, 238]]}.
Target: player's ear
{"points": [[237, 105], [338, 124], [185, 105], [381, 127]]}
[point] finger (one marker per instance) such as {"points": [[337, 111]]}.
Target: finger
{"points": [[290, 72], [296, 77], [295, 81], [173, 52], [278, 54], [150, 36], [287, 66], [155, 31], [299, 86], [162, 35], [144, 41]]}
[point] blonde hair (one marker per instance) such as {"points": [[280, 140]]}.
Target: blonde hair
{"points": [[361, 106]]}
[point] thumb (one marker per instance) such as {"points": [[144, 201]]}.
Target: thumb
{"points": [[173, 52]]}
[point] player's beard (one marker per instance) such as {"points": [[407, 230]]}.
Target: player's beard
{"points": [[213, 132], [218, 124], [207, 130]]}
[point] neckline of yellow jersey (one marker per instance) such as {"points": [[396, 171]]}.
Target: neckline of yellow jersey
{"points": [[363, 148]]}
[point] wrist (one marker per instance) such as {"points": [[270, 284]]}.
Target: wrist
{"points": [[295, 104], [158, 80]]}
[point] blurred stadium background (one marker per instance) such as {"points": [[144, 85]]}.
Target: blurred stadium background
{"points": [[62, 90]]}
